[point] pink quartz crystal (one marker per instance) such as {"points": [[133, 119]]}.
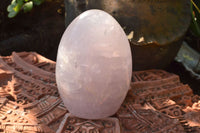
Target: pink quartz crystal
{"points": [[94, 65]]}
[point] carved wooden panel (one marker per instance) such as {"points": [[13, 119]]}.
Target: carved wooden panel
{"points": [[152, 78], [29, 102], [156, 84], [72, 124], [135, 118], [39, 115], [28, 82], [29, 96]]}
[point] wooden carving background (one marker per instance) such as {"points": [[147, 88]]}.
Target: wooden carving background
{"points": [[29, 102]]}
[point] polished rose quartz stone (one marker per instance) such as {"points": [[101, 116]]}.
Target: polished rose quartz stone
{"points": [[94, 65]]}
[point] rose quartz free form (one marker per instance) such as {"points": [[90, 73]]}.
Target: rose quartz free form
{"points": [[94, 65]]}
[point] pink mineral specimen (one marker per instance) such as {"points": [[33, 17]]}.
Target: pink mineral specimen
{"points": [[94, 65]]}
